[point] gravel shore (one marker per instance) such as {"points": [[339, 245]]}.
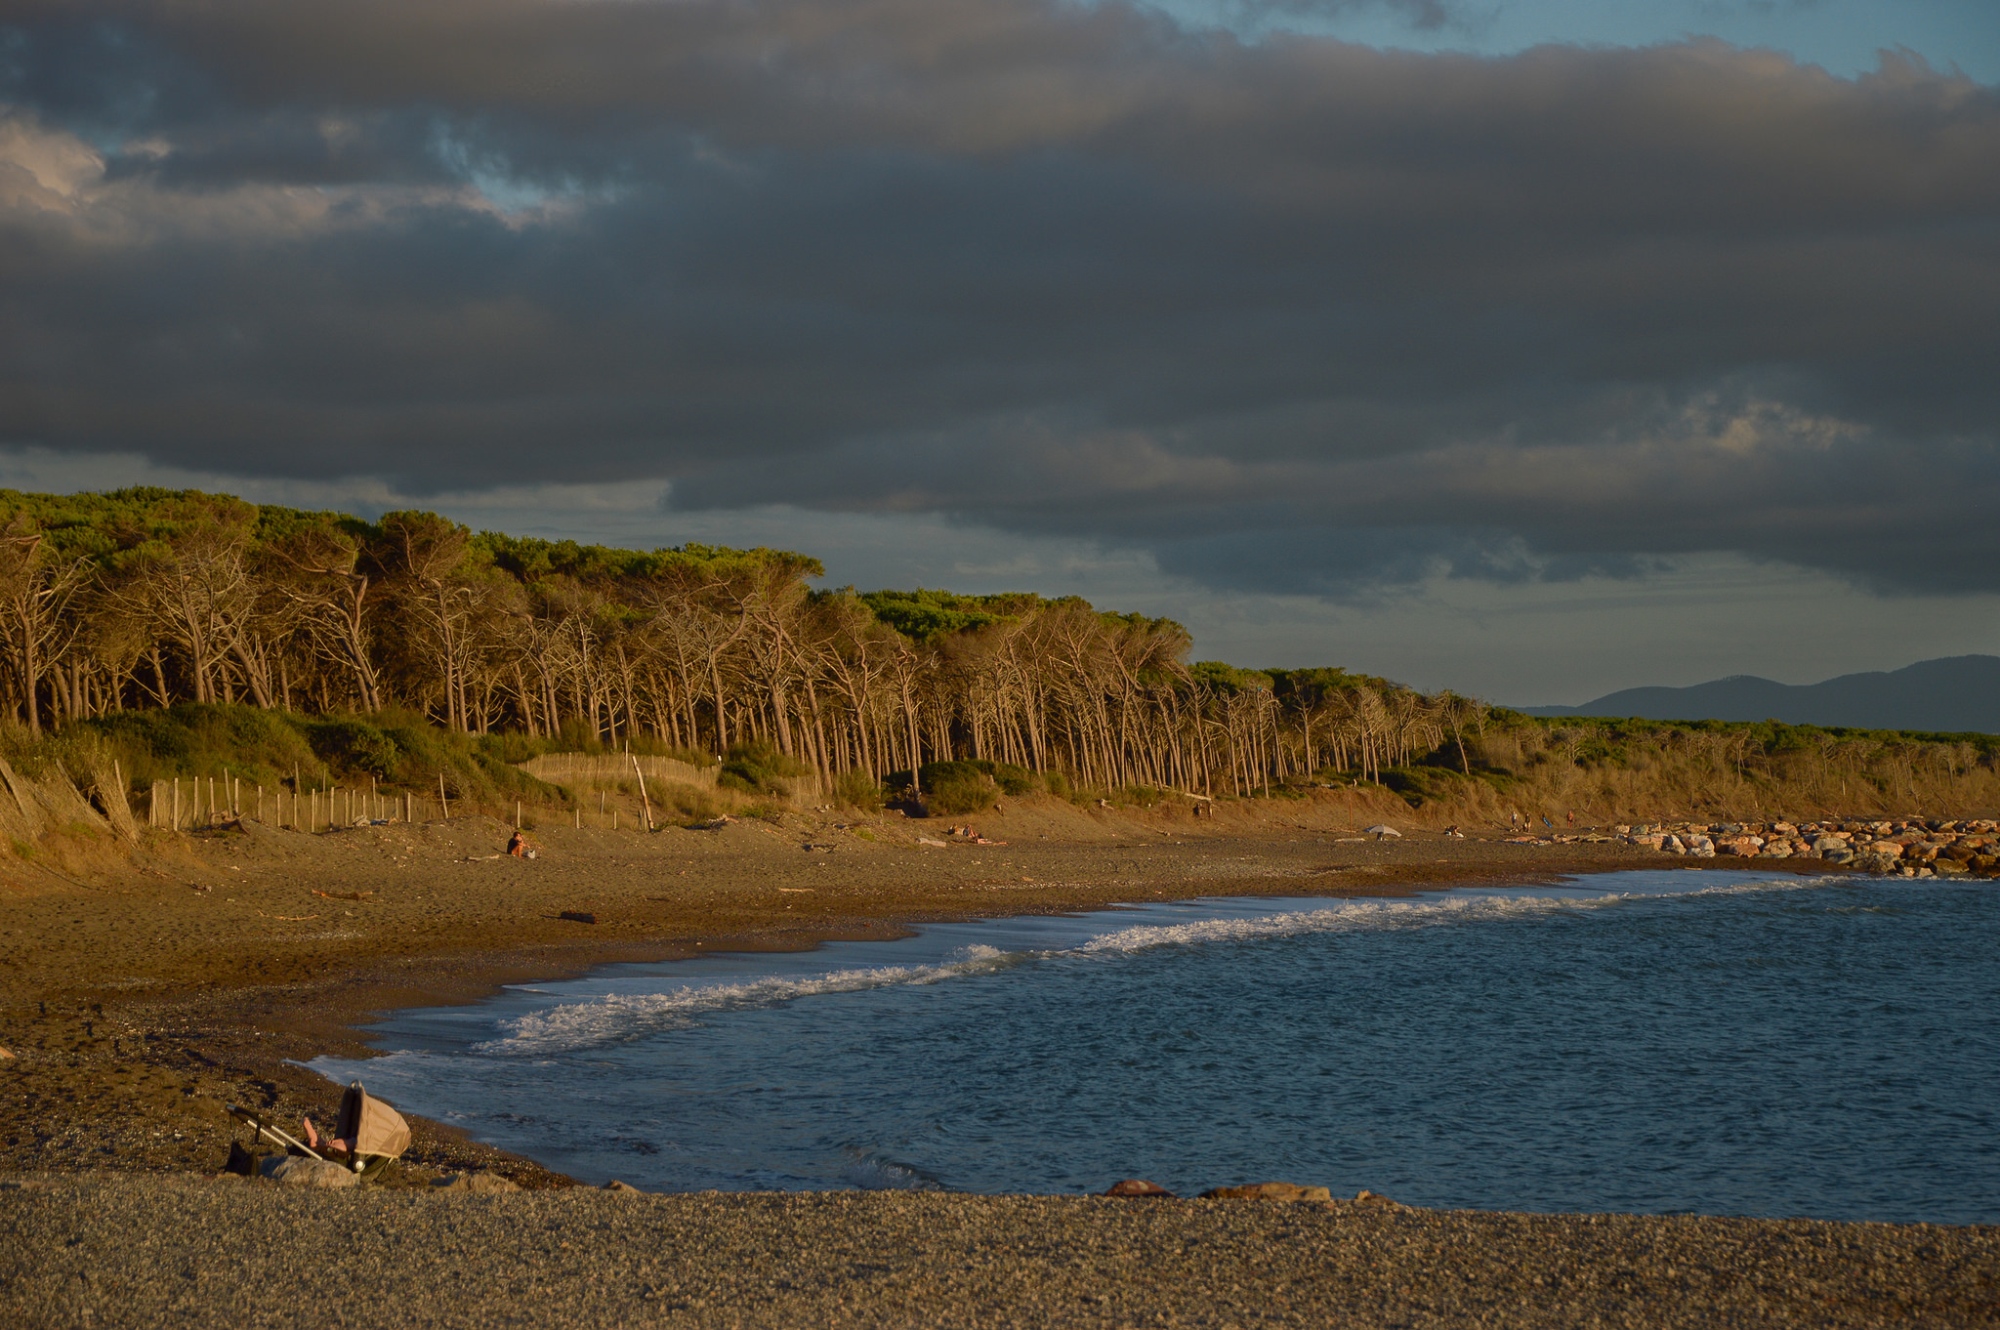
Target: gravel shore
{"points": [[139, 998], [108, 1250]]}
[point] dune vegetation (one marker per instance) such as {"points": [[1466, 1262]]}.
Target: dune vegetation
{"points": [[181, 634]]}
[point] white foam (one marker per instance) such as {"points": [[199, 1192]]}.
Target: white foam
{"points": [[1357, 915], [872, 1172], [620, 1016], [1348, 916]]}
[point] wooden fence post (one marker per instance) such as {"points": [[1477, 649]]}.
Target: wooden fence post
{"points": [[640, 772]]}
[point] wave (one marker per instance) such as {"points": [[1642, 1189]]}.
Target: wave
{"points": [[1353, 916], [874, 1172], [619, 1017], [1349, 916]]}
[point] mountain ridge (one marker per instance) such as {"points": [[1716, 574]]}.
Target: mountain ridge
{"points": [[1948, 695]]}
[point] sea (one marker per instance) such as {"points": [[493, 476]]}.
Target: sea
{"points": [[1715, 1042]]}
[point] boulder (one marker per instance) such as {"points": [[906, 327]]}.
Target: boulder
{"points": [[479, 1184], [617, 1188], [299, 1171], [1948, 867], [1137, 1188], [1268, 1191]]}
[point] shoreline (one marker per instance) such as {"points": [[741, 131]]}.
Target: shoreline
{"points": [[140, 1005], [142, 1002]]}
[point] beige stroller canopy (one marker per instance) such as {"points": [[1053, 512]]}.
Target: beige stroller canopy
{"points": [[372, 1132], [377, 1130]]}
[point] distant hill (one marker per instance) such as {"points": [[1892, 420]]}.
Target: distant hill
{"points": [[1953, 695]]}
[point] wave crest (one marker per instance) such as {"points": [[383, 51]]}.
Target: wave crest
{"points": [[618, 1017]]}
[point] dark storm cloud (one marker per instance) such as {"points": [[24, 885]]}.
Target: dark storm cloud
{"points": [[1294, 315]]}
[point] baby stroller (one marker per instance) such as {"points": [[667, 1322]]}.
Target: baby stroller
{"points": [[367, 1129]]}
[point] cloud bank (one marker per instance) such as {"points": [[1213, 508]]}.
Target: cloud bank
{"points": [[1291, 315]]}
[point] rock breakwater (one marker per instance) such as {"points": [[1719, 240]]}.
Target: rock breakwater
{"points": [[1906, 847]]}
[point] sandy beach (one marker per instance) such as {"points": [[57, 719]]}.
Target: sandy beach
{"points": [[141, 1000]]}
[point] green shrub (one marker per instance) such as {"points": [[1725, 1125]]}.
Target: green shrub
{"points": [[398, 747], [760, 769], [1012, 779], [972, 772], [204, 739], [1420, 785], [957, 787], [684, 804], [857, 789], [348, 744]]}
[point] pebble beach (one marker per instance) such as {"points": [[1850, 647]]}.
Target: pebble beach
{"points": [[132, 1251], [143, 1001]]}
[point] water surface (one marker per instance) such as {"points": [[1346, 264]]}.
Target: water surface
{"points": [[1658, 1041]]}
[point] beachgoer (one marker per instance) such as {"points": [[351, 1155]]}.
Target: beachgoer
{"points": [[334, 1144], [517, 845]]}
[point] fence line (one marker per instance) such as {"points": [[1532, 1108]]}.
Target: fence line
{"points": [[185, 803], [611, 768]]}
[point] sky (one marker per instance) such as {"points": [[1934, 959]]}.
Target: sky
{"points": [[1531, 349]]}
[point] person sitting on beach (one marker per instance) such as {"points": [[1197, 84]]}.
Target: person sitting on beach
{"points": [[517, 845]]}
